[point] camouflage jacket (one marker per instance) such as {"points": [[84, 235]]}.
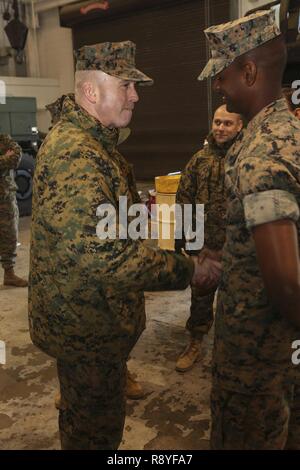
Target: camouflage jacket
{"points": [[253, 341], [86, 296], [7, 165], [202, 182]]}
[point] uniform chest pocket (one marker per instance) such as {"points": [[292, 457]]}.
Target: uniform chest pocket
{"points": [[210, 183]]}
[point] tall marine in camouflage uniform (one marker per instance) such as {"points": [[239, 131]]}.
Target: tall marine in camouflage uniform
{"points": [[10, 156], [255, 394], [202, 182], [86, 301]]}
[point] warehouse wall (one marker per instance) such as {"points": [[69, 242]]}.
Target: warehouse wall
{"points": [[50, 66], [55, 50], [49, 55], [246, 5], [171, 120]]}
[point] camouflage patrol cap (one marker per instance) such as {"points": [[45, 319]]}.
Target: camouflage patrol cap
{"points": [[230, 40], [114, 58]]}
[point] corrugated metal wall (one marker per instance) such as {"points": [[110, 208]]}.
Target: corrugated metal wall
{"points": [[171, 119]]}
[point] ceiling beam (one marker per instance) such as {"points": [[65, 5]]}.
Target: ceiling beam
{"points": [[44, 5]]}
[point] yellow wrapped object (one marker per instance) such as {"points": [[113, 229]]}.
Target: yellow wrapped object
{"points": [[166, 187], [167, 184]]}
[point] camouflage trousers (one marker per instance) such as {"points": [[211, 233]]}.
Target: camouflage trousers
{"points": [[93, 402], [201, 314], [9, 218], [255, 422]]}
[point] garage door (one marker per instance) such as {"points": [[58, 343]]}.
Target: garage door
{"points": [[171, 119]]}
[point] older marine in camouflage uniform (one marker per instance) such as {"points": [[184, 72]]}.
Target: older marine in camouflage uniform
{"points": [[10, 156], [86, 302], [255, 395], [202, 182], [134, 389]]}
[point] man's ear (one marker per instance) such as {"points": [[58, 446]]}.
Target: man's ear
{"points": [[297, 113], [240, 126], [89, 92], [250, 73]]}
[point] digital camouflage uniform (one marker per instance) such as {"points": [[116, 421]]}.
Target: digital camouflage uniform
{"points": [[86, 301], [252, 352], [8, 204], [255, 399], [202, 182], [133, 388]]}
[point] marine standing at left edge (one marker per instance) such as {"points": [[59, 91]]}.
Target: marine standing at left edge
{"points": [[10, 156]]}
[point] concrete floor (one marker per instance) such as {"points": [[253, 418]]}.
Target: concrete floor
{"points": [[175, 411]]}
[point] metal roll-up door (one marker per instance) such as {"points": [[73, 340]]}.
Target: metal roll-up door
{"points": [[171, 120]]}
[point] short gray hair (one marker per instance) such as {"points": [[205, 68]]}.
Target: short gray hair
{"points": [[83, 76]]}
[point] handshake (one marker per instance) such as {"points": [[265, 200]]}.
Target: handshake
{"points": [[207, 272]]}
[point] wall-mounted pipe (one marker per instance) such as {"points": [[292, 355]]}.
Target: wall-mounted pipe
{"points": [[36, 53]]}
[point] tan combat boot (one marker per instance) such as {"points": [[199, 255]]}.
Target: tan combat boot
{"points": [[133, 388], [190, 355], [133, 391], [57, 401], [10, 279]]}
